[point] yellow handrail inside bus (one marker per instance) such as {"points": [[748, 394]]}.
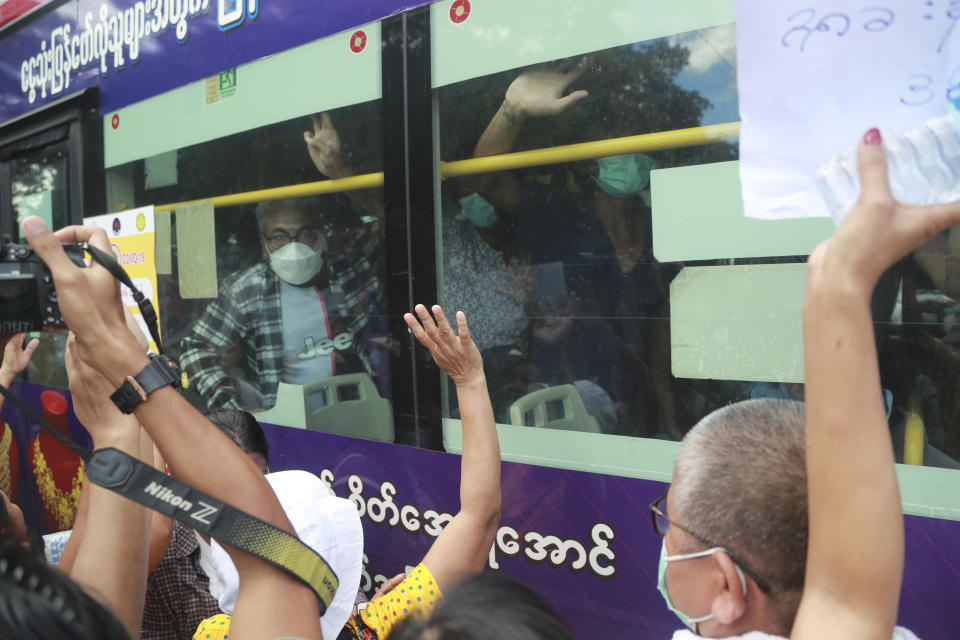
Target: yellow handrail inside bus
{"points": [[914, 433], [363, 181], [658, 141]]}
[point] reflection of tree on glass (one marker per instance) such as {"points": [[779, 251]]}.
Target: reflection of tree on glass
{"points": [[601, 312], [39, 185], [300, 314]]}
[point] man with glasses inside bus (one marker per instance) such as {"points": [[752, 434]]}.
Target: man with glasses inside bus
{"points": [[299, 315]]}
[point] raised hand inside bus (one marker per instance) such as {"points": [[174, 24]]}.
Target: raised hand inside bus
{"points": [[538, 91], [323, 144], [856, 547]]}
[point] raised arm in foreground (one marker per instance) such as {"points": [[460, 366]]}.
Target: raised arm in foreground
{"points": [[111, 541], [855, 555], [270, 603], [464, 544]]}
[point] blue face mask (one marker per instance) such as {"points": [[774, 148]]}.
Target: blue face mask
{"points": [[691, 623], [478, 211], [626, 175]]}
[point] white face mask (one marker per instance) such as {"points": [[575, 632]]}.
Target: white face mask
{"points": [[296, 263]]}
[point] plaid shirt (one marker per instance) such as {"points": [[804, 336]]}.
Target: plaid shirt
{"points": [[178, 592], [247, 314]]}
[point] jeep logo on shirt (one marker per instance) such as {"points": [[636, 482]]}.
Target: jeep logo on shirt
{"points": [[313, 348]]}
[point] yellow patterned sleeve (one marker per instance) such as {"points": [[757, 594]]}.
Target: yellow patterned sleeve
{"points": [[416, 595], [218, 628], [215, 628]]}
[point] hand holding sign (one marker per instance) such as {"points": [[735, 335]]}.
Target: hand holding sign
{"points": [[811, 72]]}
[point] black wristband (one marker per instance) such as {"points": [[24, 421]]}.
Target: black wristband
{"points": [[160, 372]]}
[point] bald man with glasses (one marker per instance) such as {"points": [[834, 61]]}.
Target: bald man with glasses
{"points": [[784, 518]]}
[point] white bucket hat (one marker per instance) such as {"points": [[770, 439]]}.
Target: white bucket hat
{"points": [[327, 524]]}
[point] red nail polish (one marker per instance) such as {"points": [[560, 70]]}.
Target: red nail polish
{"points": [[872, 137]]}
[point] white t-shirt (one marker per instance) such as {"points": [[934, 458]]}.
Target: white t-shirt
{"points": [[899, 633]]}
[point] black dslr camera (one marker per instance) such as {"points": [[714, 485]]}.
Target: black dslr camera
{"points": [[28, 299]]}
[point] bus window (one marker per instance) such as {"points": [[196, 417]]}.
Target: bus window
{"points": [[593, 231], [554, 262], [299, 303]]}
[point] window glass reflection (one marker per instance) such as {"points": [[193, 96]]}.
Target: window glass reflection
{"points": [[40, 186], [554, 264], [300, 297]]}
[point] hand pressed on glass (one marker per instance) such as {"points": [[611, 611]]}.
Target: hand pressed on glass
{"points": [[323, 144], [539, 91]]}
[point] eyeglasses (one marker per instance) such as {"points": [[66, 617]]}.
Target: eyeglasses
{"points": [[306, 235], [661, 524]]}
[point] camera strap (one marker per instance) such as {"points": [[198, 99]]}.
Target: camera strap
{"points": [[149, 314], [137, 481], [131, 478]]}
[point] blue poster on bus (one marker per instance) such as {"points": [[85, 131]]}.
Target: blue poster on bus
{"points": [[135, 49]]}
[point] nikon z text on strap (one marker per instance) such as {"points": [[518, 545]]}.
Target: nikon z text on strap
{"points": [[131, 478]]}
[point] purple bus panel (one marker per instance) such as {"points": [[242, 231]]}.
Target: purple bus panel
{"points": [[135, 49], [582, 540]]}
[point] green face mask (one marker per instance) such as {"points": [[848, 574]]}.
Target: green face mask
{"points": [[478, 211], [626, 175], [691, 623]]}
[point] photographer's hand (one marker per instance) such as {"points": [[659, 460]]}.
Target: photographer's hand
{"points": [[90, 304], [90, 391], [110, 540], [89, 301]]}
